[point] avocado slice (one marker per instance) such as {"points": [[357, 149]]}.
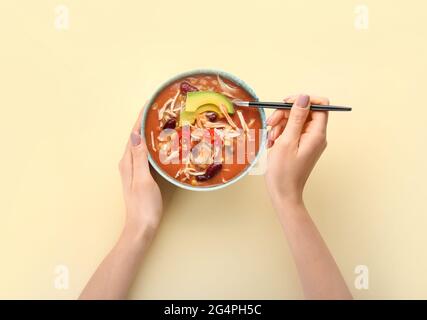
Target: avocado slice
{"points": [[203, 101], [208, 108], [197, 99]]}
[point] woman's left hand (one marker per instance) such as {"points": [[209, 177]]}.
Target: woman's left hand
{"points": [[141, 193], [143, 200]]}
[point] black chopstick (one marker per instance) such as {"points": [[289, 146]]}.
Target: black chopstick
{"points": [[287, 106]]}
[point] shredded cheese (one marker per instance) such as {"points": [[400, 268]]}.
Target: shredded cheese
{"points": [[242, 121], [227, 116], [171, 113], [251, 122], [178, 173], [162, 109], [153, 145], [196, 173], [224, 86], [174, 100], [209, 124]]}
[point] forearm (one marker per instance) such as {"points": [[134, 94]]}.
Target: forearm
{"points": [[318, 272], [114, 276]]}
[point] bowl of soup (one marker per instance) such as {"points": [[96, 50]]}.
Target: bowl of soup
{"points": [[197, 137]]}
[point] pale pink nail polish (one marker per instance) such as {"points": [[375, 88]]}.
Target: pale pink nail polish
{"points": [[135, 139], [303, 101]]}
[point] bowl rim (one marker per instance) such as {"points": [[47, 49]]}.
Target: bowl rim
{"points": [[235, 80]]}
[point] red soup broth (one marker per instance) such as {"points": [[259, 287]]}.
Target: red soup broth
{"points": [[165, 112]]}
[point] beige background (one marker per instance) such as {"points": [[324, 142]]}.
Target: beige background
{"points": [[68, 100]]}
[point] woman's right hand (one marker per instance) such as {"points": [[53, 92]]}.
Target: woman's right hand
{"points": [[297, 139]]}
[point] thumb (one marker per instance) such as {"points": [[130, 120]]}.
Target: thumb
{"points": [[297, 118], [139, 158]]}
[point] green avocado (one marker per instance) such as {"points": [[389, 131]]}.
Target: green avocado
{"points": [[197, 99], [203, 101]]}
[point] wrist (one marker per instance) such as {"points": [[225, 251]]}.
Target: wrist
{"points": [[287, 198], [289, 205], [139, 236]]}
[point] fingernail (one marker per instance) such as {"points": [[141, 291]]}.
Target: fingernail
{"points": [[303, 101], [135, 139]]}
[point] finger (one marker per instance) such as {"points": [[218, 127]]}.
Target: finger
{"points": [[141, 169], [318, 119], [139, 152], [297, 118], [275, 117], [137, 125], [277, 130], [125, 167], [278, 114], [125, 164], [319, 122]]}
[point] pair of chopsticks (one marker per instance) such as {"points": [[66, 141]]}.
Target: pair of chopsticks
{"points": [[287, 106]]}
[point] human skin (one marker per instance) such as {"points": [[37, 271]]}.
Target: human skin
{"points": [[114, 276], [297, 139]]}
